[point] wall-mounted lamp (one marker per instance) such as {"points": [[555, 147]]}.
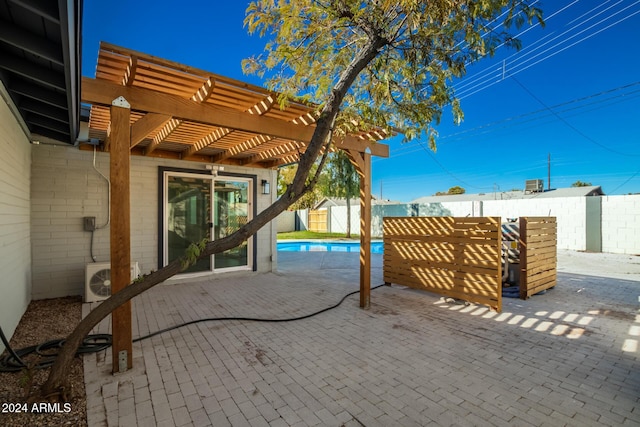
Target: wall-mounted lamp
{"points": [[266, 187], [214, 169]]}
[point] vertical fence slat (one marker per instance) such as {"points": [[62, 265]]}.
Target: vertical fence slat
{"points": [[538, 255], [318, 220], [459, 257]]}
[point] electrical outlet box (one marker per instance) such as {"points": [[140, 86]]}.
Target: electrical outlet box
{"points": [[89, 223]]}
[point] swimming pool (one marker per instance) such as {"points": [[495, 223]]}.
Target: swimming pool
{"points": [[326, 246]]}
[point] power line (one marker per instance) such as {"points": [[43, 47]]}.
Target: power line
{"points": [[569, 125], [533, 115], [494, 74], [627, 180], [466, 81]]}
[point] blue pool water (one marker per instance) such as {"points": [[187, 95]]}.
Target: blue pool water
{"points": [[327, 246]]}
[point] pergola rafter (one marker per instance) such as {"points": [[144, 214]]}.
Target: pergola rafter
{"points": [[130, 73], [212, 104], [208, 140]]}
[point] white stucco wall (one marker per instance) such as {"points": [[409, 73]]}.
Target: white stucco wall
{"points": [[66, 188], [15, 219]]}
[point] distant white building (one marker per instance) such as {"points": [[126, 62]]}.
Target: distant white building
{"points": [[593, 190]]}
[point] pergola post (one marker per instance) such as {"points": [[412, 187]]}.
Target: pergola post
{"points": [[362, 161], [120, 233]]}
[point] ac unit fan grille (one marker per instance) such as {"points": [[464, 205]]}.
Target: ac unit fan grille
{"points": [[100, 283]]}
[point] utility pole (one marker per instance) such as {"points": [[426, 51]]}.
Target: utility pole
{"points": [[549, 172]]}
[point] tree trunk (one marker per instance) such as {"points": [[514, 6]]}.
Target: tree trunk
{"points": [[56, 384]]}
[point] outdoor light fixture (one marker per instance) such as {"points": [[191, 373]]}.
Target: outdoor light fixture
{"points": [[265, 187], [214, 169]]}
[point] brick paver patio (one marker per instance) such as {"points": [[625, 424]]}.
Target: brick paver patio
{"points": [[568, 357]]}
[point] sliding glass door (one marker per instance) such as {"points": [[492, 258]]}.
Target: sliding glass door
{"points": [[198, 207], [231, 211]]}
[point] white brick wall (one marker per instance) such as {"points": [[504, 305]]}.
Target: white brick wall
{"points": [[66, 188], [15, 252], [570, 213], [621, 224], [620, 218]]}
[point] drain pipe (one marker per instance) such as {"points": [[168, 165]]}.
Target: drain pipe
{"points": [[108, 191], [93, 258]]}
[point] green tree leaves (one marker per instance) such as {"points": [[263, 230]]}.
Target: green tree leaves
{"points": [[424, 45]]}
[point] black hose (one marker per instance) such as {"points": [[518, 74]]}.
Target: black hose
{"points": [[13, 362], [251, 319], [9, 349]]}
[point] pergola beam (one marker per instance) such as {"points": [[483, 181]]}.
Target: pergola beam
{"points": [[145, 125], [100, 92], [214, 136], [239, 148], [263, 106], [130, 72], [164, 133], [205, 91], [273, 152]]}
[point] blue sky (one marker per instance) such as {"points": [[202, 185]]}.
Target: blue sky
{"points": [[572, 93]]}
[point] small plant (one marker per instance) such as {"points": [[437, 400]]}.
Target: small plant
{"points": [[26, 379], [192, 253]]}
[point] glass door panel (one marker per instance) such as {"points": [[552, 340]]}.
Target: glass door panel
{"points": [[188, 217], [231, 211]]}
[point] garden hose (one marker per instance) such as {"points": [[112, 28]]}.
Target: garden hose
{"points": [[13, 362]]}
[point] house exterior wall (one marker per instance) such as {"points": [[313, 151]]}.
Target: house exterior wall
{"points": [[66, 188], [621, 224], [15, 221]]}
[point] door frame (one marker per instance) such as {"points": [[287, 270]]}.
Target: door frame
{"points": [[253, 194]]}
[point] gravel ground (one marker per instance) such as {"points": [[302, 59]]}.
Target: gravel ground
{"points": [[43, 321]]}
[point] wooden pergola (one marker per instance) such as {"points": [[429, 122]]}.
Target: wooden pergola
{"points": [[148, 106]]}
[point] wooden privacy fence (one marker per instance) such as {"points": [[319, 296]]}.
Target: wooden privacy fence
{"points": [[538, 255], [318, 220], [456, 257]]}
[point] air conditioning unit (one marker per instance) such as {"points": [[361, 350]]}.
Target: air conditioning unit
{"points": [[97, 285], [534, 186]]}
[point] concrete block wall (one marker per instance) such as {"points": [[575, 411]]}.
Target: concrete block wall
{"points": [[286, 222], [66, 188], [446, 209], [621, 224], [15, 219], [378, 212], [607, 224], [570, 213]]}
